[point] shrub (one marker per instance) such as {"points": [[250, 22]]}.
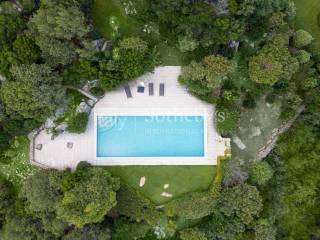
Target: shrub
{"points": [[249, 101], [135, 206], [192, 234], [97, 91], [78, 123], [310, 82], [302, 38], [260, 172], [192, 205], [303, 56]]}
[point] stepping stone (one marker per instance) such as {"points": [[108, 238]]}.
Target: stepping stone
{"points": [[142, 181], [165, 194]]}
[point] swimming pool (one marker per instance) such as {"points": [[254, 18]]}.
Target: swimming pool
{"points": [[150, 136]]}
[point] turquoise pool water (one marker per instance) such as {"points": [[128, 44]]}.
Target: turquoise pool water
{"points": [[150, 136]]}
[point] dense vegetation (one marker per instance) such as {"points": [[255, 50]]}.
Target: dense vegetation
{"points": [[236, 53]]}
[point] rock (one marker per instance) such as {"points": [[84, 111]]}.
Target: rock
{"points": [[49, 122], [83, 107], [59, 112], [256, 131], [239, 143], [62, 127], [90, 102]]}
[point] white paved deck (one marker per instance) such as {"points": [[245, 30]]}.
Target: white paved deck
{"points": [[177, 101]]}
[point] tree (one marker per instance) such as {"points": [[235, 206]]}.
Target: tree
{"points": [[61, 21], [56, 52], [26, 50], [260, 172], [10, 25], [89, 232], [129, 60], [88, 197], [303, 56], [79, 72], [302, 38], [274, 62], [236, 209], [192, 205], [264, 230], [6, 198], [42, 191], [135, 206], [206, 77], [242, 202], [264, 68], [19, 227], [35, 93]]}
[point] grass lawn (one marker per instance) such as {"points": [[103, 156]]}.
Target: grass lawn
{"points": [[307, 18], [103, 10], [181, 179]]}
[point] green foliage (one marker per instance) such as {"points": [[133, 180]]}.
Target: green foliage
{"points": [[56, 52], [179, 19], [135, 206], [295, 185], [19, 227], [303, 56], [129, 60], [264, 230], [264, 68], [290, 105], [10, 25], [80, 71], [206, 77], [236, 209], [35, 92], [192, 234], [78, 123], [309, 83], [186, 43], [260, 172], [242, 203], [192, 205], [61, 21], [89, 198], [130, 230], [18, 167], [89, 232], [25, 49], [302, 38], [6, 198], [274, 62], [42, 191]]}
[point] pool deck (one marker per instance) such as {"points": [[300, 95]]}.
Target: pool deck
{"points": [[176, 101]]}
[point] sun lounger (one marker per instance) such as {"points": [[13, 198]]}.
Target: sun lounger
{"points": [[128, 91], [161, 89], [150, 85], [140, 89]]}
